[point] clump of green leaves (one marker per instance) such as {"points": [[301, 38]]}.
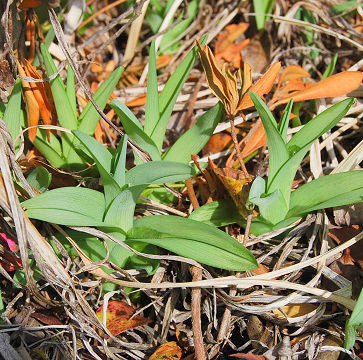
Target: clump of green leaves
{"points": [[157, 114], [278, 206], [63, 152], [113, 212]]}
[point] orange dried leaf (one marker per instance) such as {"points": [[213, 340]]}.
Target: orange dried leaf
{"points": [[138, 101], [217, 143], [292, 72], [118, 316], [262, 269], [262, 86], [39, 93], [232, 33], [333, 86], [232, 54], [257, 140], [31, 105], [167, 351]]}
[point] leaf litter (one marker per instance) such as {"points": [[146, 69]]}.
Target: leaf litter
{"points": [[295, 302]]}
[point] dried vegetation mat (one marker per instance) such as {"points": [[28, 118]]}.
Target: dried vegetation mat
{"points": [[170, 195]]}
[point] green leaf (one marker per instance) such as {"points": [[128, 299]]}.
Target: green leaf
{"points": [[330, 68], [194, 240], [261, 8], [284, 122], [66, 116], [158, 172], [40, 178], [286, 174], [51, 150], [272, 207], [355, 320], [327, 191], [71, 90], [89, 117], [217, 213], [121, 211], [169, 41], [12, 112], [170, 93], [276, 145], [73, 206], [152, 97], [319, 125], [134, 129], [119, 162], [103, 160], [193, 140]]}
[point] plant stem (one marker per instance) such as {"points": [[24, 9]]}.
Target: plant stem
{"points": [[238, 150]]}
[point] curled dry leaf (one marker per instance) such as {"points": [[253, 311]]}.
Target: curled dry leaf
{"points": [[118, 317], [236, 184], [167, 351], [223, 83]]}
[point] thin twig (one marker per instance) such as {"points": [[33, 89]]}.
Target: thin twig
{"points": [[238, 150], [197, 274]]}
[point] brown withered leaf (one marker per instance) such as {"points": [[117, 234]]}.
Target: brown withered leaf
{"points": [[223, 83], [237, 186]]}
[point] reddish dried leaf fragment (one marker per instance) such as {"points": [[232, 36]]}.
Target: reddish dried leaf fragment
{"points": [[167, 351], [118, 316]]}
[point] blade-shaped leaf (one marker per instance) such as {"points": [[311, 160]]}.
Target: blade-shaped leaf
{"points": [[103, 159], [66, 116], [89, 116], [119, 162], [121, 211], [73, 206], [194, 240], [51, 150], [170, 93], [152, 97], [71, 89], [40, 178], [285, 175], [218, 213], [192, 141], [276, 145], [12, 112], [327, 191], [284, 122], [158, 172], [319, 125], [134, 129]]}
